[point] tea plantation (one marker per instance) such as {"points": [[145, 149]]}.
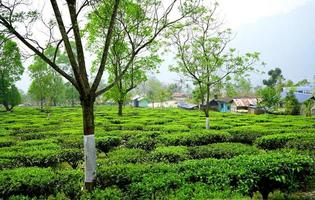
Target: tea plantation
{"points": [[157, 154]]}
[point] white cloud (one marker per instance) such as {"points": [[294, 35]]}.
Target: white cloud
{"points": [[239, 12]]}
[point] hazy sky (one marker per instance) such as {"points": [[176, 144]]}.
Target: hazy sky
{"points": [[283, 31]]}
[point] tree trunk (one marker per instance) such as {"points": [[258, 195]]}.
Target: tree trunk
{"points": [[7, 107], [89, 144], [265, 195], [120, 108], [41, 104], [207, 123]]}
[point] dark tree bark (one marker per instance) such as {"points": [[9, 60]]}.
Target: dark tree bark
{"points": [[87, 104], [7, 107], [120, 108], [265, 195]]}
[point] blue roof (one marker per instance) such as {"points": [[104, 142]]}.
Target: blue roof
{"points": [[185, 105], [301, 97]]}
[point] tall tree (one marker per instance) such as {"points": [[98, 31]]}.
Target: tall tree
{"points": [[47, 86], [275, 77], [270, 98], [11, 99], [291, 104], [72, 96], [132, 26], [158, 16], [203, 57], [11, 70]]}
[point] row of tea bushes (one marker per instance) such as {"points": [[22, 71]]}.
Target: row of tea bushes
{"points": [[245, 174], [175, 154], [40, 182], [41, 153], [242, 175], [302, 141]]}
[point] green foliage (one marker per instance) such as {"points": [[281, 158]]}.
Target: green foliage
{"points": [[273, 171], [171, 157], [111, 193], [277, 141], [145, 142], [270, 98], [193, 139], [107, 143], [275, 78], [126, 155], [173, 154], [47, 86], [11, 70], [308, 105], [245, 174], [27, 181], [292, 106], [222, 150], [203, 57], [37, 182]]}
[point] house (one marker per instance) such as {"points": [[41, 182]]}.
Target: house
{"points": [[186, 106], [300, 89], [301, 97], [164, 104], [256, 110], [242, 104], [139, 101], [220, 104], [178, 96]]}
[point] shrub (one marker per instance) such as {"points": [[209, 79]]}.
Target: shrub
{"points": [[248, 134], [174, 128], [6, 163], [222, 150], [265, 173], [31, 156], [171, 154], [125, 155], [192, 138], [70, 142], [302, 144], [27, 181], [277, 141], [155, 185], [203, 191], [112, 193], [6, 141], [69, 182], [105, 144], [145, 142], [72, 156]]}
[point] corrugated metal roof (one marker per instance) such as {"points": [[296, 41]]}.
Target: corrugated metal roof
{"points": [[245, 102], [301, 97], [301, 89], [186, 105], [138, 97]]}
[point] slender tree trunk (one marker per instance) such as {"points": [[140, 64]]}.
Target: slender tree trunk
{"points": [[41, 104], [7, 107], [207, 123], [120, 108], [89, 143], [265, 195], [72, 102]]}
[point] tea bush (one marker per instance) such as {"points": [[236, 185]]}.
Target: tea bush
{"points": [[156, 154], [222, 150], [171, 154], [277, 141]]}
